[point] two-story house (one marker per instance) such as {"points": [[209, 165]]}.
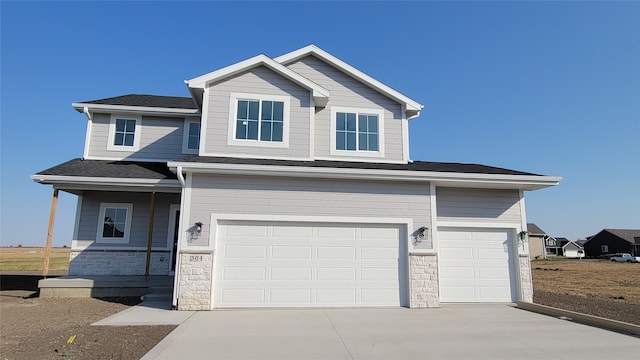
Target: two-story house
{"points": [[287, 182]]}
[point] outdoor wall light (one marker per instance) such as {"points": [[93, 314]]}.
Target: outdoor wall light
{"points": [[522, 235], [198, 227], [420, 234]]}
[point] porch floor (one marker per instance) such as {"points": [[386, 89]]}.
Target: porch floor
{"points": [[105, 286]]}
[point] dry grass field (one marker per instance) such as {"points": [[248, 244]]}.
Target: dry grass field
{"points": [[32, 259], [589, 278]]}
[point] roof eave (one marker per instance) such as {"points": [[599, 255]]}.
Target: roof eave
{"points": [[134, 109], [445, 179], [86, 183]]}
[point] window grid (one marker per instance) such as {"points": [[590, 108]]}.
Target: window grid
{"points": [[125, 132], [114, 223], [263, 120], [362, 135]]}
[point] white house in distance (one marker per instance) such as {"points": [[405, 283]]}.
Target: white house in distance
{"points": [[287, 182]]}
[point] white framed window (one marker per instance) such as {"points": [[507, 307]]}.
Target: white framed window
{"points": [[114, 223], [357, 132], [259, 120], [191, 137], [604, 248], [124, 133]]}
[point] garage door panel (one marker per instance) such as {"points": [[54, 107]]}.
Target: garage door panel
{"points": [[298, 264], [479, 269], [329, 297], [290, 296], [291, 252], [290, 273], [336, 274], [336, 253], [244, 273], [245, 251], [379, 253]]}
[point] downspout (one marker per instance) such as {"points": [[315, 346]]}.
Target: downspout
{"points": [[176, 275]]}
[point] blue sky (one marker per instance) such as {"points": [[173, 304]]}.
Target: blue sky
{"points": [[545, 87]]}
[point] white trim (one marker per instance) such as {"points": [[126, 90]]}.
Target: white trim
{"points": [[126, 158], [312, 127], [171, 228], [51, 179], [523, 224], [127, 227], [185, 136], [319, 93], [357, 153], [525, 182], [406, 155], [87, 138], [233, 116], [434, 217], [412, 105], [76, 224], [257, 156], [136, 135], [204, 122], [185, 205], [91, 247], [136, 109]]}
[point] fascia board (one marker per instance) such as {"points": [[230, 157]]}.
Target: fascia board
{"points": [[411, 104], [524, 182], [202, 81], [135, 109], [59, 179]]}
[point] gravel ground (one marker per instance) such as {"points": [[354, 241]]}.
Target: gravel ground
{"points": [[35, 328]]}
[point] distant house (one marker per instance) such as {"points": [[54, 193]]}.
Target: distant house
{"points": [[611, 241], [573, 250], [536, 241]]}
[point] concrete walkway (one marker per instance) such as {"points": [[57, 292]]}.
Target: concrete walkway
{"points": [[147, 313], [449, 332]]}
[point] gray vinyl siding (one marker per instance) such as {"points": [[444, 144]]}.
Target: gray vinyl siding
{"points": [[258, 81], [90, 212], [160, 138], [306, 197], [348, 92], [478, 205]]}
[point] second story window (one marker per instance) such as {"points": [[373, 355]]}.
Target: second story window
{"points": [[357, 132], [124, 133], [191, 140], [259, 120]]}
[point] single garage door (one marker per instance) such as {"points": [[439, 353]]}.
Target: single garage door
{"points": [[259, 264], [476, 265]]}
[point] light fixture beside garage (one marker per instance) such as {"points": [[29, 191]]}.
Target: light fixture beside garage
{"points": [[198, 227], [522, 235], [420, 234]]}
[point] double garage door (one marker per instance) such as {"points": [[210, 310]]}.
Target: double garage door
{"points": [[476, 265], [267, 264]]}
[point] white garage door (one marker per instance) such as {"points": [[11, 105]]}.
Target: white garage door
{"points": [[262, 264], [476, 265]]}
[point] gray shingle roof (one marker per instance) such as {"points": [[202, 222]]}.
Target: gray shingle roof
{"points": [[112, 169], [629, 235], [414, 166], [174, 102], [533, 229]]}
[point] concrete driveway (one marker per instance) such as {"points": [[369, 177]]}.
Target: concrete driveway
{"points": [[450, 332]]}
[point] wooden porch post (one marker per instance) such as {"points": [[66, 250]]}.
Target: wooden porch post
{"points": [[150, 233], [52, 218]]}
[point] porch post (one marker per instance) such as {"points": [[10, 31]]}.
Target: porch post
{"points": [[52, 218], [150, 233]]}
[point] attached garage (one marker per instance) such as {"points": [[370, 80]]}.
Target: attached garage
{"points": [[294, 264], [477, 265]]}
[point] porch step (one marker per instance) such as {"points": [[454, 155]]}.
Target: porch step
{"points": [[161, 290], [157, 297]]}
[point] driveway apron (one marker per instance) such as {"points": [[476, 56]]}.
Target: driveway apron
{"points": [[449, 332]]}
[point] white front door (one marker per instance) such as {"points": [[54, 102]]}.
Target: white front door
{"points": [[476, 265], [267, 264]]}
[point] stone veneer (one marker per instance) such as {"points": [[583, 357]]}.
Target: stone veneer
{"points": [[423, 270], [118, 262], [526, 281], [194, 282]]}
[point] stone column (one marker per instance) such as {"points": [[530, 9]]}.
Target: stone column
{"points": [[423, 279], [194, 283], [526, 281]]}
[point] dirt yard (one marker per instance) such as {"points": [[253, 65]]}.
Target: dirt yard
{"points": [[35, 328], [594, 287]]}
